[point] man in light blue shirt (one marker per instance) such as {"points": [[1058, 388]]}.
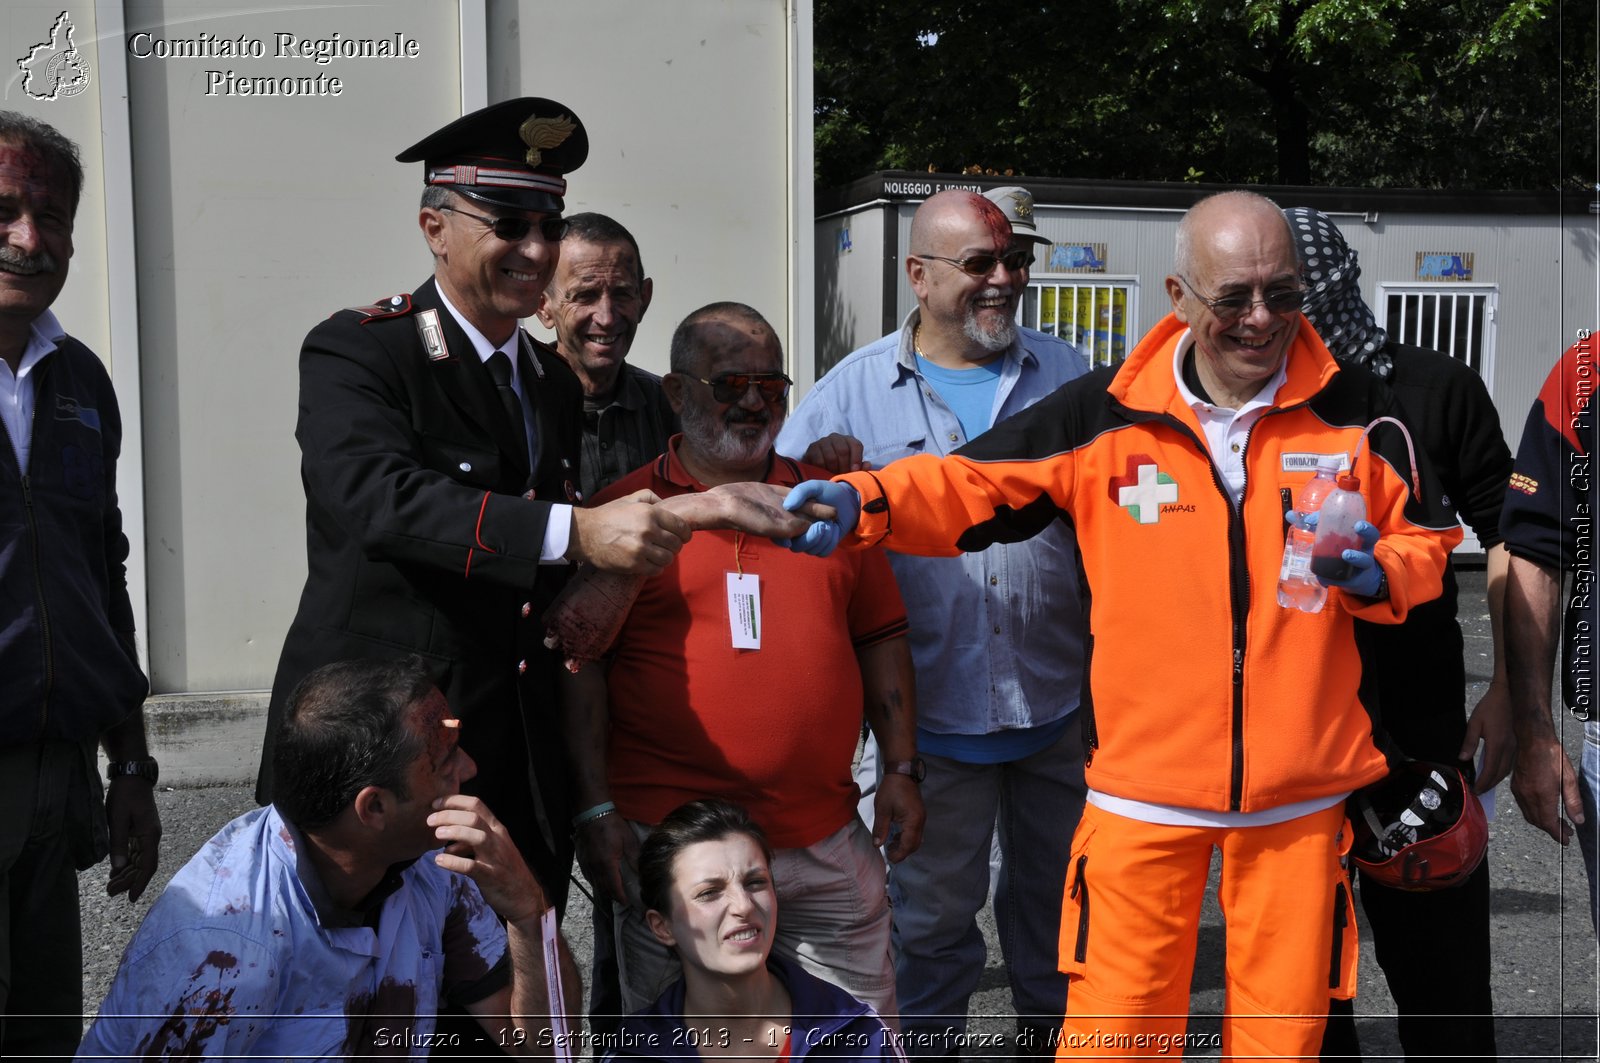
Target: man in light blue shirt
{"points": [[316, 927], [997, 636]]}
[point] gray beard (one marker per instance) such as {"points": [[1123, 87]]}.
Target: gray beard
{"points": [[993, 341], [712, 437]]}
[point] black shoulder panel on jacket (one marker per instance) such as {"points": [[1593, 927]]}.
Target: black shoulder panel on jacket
{"points": [[1356, 399]]}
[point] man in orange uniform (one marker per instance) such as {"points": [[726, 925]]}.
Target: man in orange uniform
{"points": [[1219, 720]]}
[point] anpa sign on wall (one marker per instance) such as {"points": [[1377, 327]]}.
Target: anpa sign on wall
{"points": [[1444, 265]]}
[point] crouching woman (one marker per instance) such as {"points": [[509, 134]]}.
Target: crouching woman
{"points": [[706, 881]]}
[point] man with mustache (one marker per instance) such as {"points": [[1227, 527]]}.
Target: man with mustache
{"points": [[743, 674], [69, 668], [997, 635]]}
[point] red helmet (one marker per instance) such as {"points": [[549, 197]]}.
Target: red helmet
{"points": [[1421, 828]]}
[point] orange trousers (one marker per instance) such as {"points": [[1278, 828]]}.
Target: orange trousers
{"points": [[1131, 916]]}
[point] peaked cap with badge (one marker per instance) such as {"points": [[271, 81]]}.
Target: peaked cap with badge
{"points": [[512, 154], [1016, 203]]}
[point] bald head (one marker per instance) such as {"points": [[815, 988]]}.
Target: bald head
{"points": [[1226, 213], [947, 216], [715, 330]]}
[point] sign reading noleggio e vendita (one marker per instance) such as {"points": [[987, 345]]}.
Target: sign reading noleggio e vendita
{"points": [[319, 51]]}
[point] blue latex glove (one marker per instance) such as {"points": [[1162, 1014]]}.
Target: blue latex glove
{"points": [[823, 536], [1368, 576]]}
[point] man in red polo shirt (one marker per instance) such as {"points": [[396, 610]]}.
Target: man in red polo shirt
{"points": [[743, 672]]}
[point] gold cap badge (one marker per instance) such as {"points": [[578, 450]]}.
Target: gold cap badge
{"points": [[543, 133]]}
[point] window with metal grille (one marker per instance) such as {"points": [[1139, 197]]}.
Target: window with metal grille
{"points": [[1097, 315], [1457, 319]]}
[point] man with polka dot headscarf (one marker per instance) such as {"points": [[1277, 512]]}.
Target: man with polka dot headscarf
{"points": [[1433, 946]]}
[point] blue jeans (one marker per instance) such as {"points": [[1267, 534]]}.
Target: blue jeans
{"points": [[938, 890], [1589, 831]]}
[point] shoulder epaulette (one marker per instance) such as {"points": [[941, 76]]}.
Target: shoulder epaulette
{"points": [[540, 353], [545, 349], [394, 306]]}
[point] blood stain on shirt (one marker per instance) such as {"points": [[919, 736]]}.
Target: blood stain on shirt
{"points": [[393, 1007]]}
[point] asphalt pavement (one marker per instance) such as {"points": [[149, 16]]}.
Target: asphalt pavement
{"points": [[1545, 979]]}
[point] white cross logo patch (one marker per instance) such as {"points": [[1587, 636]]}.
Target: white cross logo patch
{"points": [[1144, 490]]}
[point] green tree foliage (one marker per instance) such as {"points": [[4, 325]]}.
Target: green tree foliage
{"points": [[1385, 93]]}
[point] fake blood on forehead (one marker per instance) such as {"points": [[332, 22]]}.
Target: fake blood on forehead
{"points": [[441, 738], [28, 170], [993, 218]]}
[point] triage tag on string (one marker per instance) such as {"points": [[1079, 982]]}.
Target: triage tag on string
{"points": [[744, 610]]}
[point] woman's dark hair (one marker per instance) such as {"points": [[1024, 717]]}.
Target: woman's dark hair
{"points": [[706, 820], [346, 729]]}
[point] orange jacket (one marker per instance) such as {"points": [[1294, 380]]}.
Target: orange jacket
{"points": [[1205, 693]]}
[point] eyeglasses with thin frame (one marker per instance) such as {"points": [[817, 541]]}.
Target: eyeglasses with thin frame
{"points": [[514, 230], [983, 265], [1232, 307], [731, 387]]}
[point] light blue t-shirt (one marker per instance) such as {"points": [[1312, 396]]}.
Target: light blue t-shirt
{"points": [[968, 392]]}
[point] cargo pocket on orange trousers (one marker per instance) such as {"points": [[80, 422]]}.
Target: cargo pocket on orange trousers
{"points": [[1074, 944], [1346, 937]]}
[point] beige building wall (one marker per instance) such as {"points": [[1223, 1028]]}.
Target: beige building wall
{"points": [[688, 104], [257, 217], [240, 190]]}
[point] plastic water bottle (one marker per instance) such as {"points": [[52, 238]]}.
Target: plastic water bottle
{"points": [[1297, 587], [1336, 530]]}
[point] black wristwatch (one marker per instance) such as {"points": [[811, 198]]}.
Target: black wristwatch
{"points": [[913, 767], [147, 768]]}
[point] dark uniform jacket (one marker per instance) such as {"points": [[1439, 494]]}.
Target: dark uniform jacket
{"points": [[419, 538], [68, 666]]}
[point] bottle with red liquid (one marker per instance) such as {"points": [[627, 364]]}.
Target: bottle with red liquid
{"points": [[1297, 587], [1336, 530]]}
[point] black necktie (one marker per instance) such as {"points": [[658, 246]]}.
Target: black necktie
{"points": [[500, 369]]}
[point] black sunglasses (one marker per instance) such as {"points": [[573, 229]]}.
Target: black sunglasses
{"points": [[983, 265], [731, 387], [1233, 307], [515, 230]]}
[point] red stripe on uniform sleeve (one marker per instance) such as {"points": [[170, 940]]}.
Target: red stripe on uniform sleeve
{"points": [[477, 535]]}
